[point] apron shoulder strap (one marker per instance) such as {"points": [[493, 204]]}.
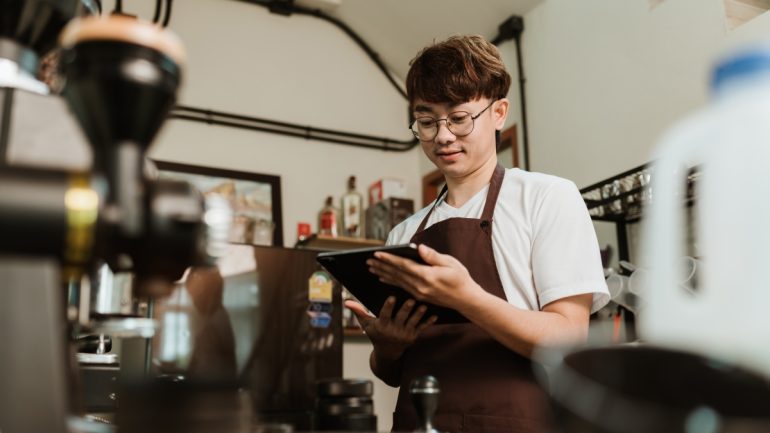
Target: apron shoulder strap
{"points": [[435, 203], [489, 206], [494, 191]]}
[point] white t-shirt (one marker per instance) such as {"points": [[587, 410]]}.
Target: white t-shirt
{"points": [[543, 240]]}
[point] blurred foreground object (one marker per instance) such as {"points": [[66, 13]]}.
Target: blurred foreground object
{"points": [[726, 316]]}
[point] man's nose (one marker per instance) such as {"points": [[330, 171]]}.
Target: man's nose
{"points": [[444, 135]]}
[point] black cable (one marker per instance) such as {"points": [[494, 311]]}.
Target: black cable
{"points": [[167, 16], [5, 123], [522, 95], [512, 28], [158, 7], [344, 27], [118, 7]]}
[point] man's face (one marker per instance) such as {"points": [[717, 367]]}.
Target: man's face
{"points": [[455, 154]]}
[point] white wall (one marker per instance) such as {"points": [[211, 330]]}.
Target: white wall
{"points": [[298, 69], [605, 78]]}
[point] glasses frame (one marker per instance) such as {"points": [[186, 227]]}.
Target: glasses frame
{"points": [[448, 124]]}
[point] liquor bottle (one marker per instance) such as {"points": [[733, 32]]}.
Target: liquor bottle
{"points": [[352, 211], [327, 219]]}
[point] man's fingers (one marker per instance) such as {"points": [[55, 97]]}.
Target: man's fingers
{"points": [[431, 320], [433, 257], [391, 263], [415, 318], [386, 313], [383, 269], [363, 315], [408, 282], [403, 313], [358, 308]]}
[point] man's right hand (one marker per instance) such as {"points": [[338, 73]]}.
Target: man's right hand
{"points": [[391, 335]]}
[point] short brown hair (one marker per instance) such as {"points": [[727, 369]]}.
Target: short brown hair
{"points": [[457, 70]]}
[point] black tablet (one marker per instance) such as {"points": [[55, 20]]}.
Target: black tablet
{"points": [[350, 269]]}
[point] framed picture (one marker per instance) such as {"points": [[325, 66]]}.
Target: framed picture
{"points": [[255, 199]]}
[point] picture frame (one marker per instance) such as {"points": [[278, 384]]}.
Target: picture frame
{"points": [[255, 198]]}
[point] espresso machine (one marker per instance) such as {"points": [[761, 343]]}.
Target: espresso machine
{"points": [[60, 227]]}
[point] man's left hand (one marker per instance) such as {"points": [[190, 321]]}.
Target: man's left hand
{"points": [[444, 281]]}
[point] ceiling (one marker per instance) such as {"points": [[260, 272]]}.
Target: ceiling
{"points": [[398, 29]]}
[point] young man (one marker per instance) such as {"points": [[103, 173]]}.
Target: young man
{"points": [[514, 252]]}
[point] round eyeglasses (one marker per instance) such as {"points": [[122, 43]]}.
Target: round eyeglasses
{"points": [[459, 123]]}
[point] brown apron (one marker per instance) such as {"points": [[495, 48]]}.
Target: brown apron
{"points": [[485, 387]]}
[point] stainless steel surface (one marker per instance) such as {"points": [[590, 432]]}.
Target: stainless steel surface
{"points": [[89, 424], [32, 356], [111, 293], [95, 358], [126, 327], [218, 217]]}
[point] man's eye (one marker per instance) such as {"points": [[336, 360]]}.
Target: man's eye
{"points": [[426, 123], [459, 118]]}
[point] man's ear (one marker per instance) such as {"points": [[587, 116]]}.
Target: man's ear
{"points": [[500, 110]]}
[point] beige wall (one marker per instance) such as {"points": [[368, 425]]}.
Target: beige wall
{"points": [[605, 78], [298, 69]]}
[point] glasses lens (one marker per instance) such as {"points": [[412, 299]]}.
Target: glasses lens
{"points": [[424, 128], [460, 123]]}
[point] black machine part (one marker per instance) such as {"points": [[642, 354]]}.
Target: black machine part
{"points": [[344, 387], [425, 393], [637, 389], [36, 23], [345, 405], [120, 92], [49, 213], [94, 344]]}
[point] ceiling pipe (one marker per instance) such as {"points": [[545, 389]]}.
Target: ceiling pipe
{"points": [[251, 123]]}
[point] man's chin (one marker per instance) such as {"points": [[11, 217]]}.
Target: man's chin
{"points": [[453, 169]]}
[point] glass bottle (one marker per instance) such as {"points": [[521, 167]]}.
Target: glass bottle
{"points": [[352, 211], [327, 219]]}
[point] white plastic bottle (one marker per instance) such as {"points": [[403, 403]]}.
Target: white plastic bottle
{"points": [[729, 315]]}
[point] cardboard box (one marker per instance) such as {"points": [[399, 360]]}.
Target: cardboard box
{"points": [[386, 188]]}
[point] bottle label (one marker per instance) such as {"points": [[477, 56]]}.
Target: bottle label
{"points": [[352, 219], [320, 287], [328, 222]]}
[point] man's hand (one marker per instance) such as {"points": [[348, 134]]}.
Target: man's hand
{"points": [[391, 335], [445, 281]]}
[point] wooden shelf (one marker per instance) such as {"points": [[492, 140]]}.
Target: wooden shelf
{"points": [[353, 332], [330, 243]]}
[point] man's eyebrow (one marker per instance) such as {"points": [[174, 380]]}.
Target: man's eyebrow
{"points": [[422, 109]]}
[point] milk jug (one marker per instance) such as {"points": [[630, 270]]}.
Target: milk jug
{"points": [[728, 317]]}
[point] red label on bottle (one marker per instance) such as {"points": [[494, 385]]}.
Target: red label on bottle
{"points": [[328, 221]]}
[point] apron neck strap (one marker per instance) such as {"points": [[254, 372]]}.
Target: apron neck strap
{"points": [[494, 191], [489, 206]]}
